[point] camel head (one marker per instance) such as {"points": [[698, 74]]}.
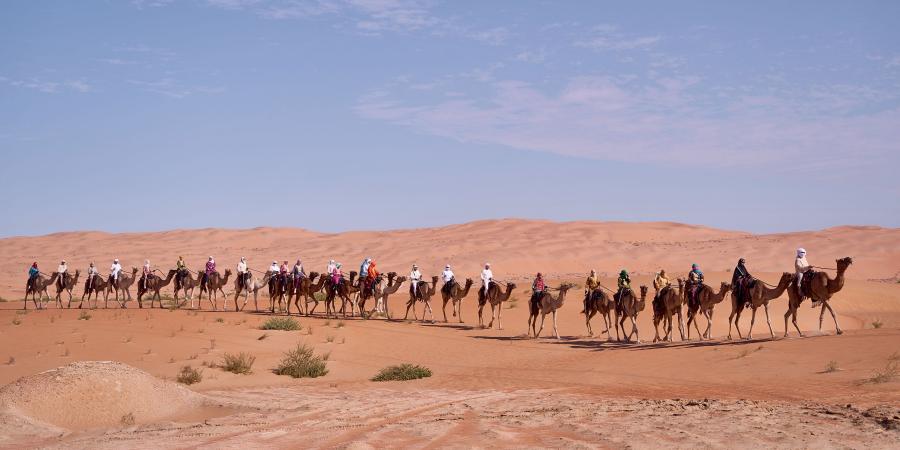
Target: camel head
{"points": [[567, 286], [434, 279], [401, 279], [724, 287], [227, 272], [644, 292], [786, 277], [313, 275], [134, 271], [844, 263]]}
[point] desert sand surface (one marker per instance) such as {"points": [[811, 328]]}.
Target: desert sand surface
{"points": [[490, 388]]}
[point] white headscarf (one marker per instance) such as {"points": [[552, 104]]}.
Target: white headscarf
{"points": [[801, 252]]}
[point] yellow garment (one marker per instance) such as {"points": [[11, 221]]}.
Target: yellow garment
{"points": [[592, 283], [623, 283], [660, 281]]}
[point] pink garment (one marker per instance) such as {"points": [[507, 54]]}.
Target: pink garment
{"points": [[336, 276]]}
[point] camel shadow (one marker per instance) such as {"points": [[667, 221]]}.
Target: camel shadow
{"points": [[455, 326], [600, 345]]}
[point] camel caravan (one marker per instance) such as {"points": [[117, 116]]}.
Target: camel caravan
{"points": [[366, 293]]}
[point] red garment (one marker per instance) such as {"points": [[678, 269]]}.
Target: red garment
{"points": [[373, 272], [284, 269]]}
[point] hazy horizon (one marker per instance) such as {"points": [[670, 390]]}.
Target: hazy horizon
{"points": [[153, 115]]}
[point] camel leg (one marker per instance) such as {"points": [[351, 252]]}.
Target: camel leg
{"points": [[680, 325], [769, 322], [587, 322], [480, 319], [709, 316], [821, 316], [500, 316], [444, 310], [752, 320], [621, 323], [555, 330], [541, 328], [634, 329], [834, 317], [669, 329]]}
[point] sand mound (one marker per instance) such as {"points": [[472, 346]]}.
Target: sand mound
{"points": [[95, 394]]}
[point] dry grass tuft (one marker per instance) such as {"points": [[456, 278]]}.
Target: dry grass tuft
{"points": [[402, 372], [301, 362], [127, 420], [84, 316], [189, 375], [241, 363], [281, 323], [831, 367], [887, 373]]}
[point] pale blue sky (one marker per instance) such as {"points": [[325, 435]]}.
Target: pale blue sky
{"points": [[377, 114]]}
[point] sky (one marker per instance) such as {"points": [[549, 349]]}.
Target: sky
{"points": [[761, 116]]}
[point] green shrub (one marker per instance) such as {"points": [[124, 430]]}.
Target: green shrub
{"points": [[302, 363], [84, 316], [239, 364], [402, 372], [281, 323]]}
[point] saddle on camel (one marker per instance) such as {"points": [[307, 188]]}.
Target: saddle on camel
{"points": [[742, 282], [694, 283]]}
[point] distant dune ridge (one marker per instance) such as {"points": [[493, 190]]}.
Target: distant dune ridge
{"points": [[515, 247], [489, 387]]}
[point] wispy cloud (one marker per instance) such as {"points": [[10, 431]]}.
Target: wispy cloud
{"points": [[666, 121], [173, 88], [609, 37], [47, 86]]}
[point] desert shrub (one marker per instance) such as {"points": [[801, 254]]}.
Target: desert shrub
{"points": [[127, 420], [885, 374], [876, 324], [189, 375], [301, 362], [240, 363], [280, 323], [220, 320], [832, 366], [84, 316], [402, 372]]}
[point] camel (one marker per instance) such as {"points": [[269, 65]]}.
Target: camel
{"points": [[496, 298], [426, 292], [215, 284], [251, 285], [343, 290], [39, 287], [456, 293], [667, 303], [365, 294], [153, 285], [124, 284], [98, 285], [600, 302], [311, 292], [821, 288], [546, 304], [70, 283], [381, 300], [188, 284], [302, 290], [277, 290], [628, 307], [704, 302], [759, 296]]}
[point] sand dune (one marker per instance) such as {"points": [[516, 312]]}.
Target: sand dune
{"points": [[490, 388], [515, 247]]}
